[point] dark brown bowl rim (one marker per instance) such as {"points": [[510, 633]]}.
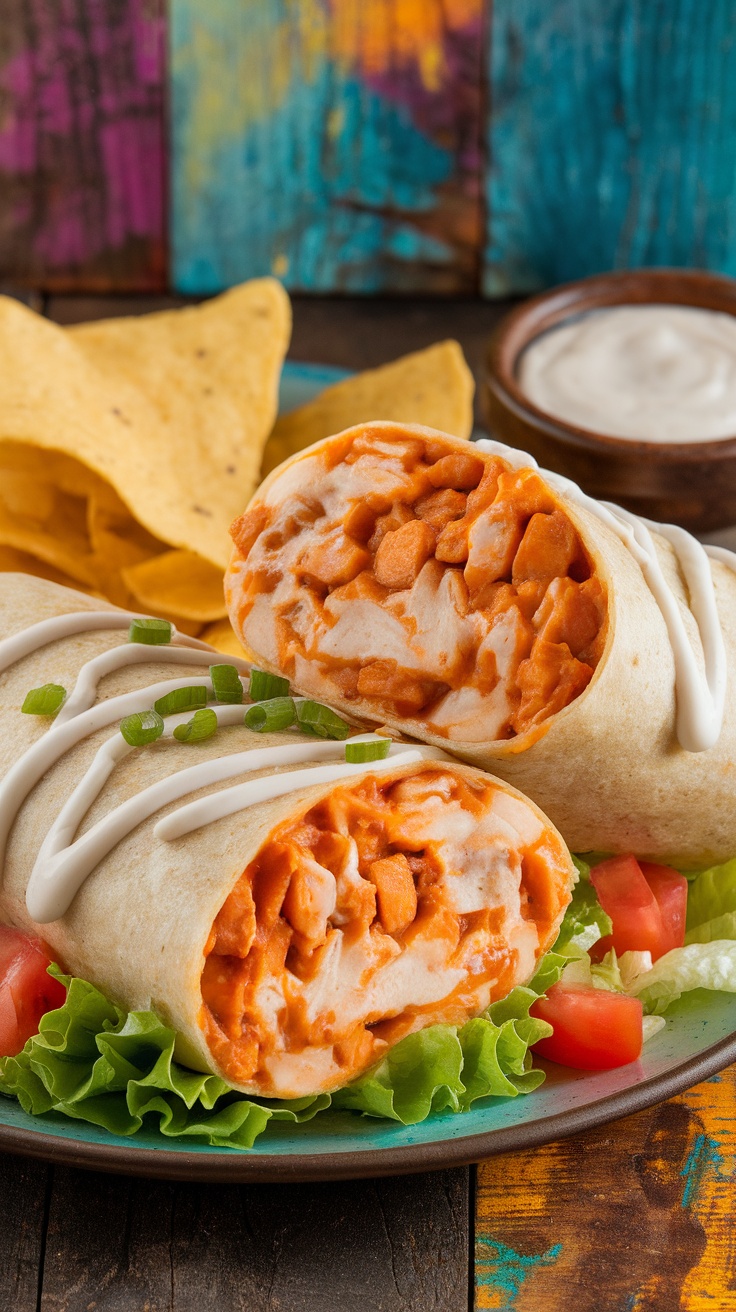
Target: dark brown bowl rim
{"points": [[159, 1163], [689, 287]]}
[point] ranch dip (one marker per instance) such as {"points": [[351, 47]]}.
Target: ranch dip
{"points": [[662, 373]]}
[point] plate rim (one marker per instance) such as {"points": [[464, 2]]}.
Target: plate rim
{"points": [[367, 1163]]}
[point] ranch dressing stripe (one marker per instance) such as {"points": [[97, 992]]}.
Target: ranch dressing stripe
{"points": [[61, 834], [62, 866], [21, 644], [84, 693], [34, 764], [229, 800], [700, 696]]}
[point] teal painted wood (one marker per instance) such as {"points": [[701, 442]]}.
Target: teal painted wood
{"points": [[612, 138], [335, 143]]}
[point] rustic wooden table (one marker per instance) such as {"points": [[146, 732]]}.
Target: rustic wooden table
{"points": [[633, 1217]]}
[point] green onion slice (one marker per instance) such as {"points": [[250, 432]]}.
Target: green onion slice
{"points": [[154, 633], [271, 716], [226, 683], [141, 728], [265, 687], [46, 700], [373, 751], [180, 699], [202, 725], [320, 721]]}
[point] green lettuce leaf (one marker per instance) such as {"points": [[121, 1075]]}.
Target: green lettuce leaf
{"points": [[696, 966], [584, 922], [711, 905], [94, 1062]]}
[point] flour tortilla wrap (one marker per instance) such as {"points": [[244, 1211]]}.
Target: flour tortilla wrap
{"points": [[587, 729], [144, 921]]}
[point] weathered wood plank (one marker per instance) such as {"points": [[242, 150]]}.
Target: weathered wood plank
{"points": [[22, 1219], [335, 145], [610, 140], [633, 1217], [82, 143], [372, 1246]]}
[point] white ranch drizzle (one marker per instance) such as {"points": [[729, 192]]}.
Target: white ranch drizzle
{"points": [[700, 695], [84, 693], [43, 754], [21, 644], [63, 863]]}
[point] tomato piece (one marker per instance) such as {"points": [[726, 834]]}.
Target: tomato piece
{"points": [[670, 889], [625, 895], [647, 905], [27, 992], [594, 1030]]}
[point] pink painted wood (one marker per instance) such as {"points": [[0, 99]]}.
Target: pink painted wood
{"points": [[82, 144]]}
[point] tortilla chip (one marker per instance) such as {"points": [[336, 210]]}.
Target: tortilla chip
{"points": [[178, 583], [432, 387], [13, 561], [222, 636], [210, 375], [171, 410]]}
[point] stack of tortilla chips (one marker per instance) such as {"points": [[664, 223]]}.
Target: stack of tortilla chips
{"points": [[128, 446]]}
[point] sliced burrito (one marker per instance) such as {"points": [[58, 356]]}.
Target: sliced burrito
{"points": [[290, 912], [464, 597]]}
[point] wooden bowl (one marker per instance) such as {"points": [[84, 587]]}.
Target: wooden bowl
{"points": [[688, 483]]}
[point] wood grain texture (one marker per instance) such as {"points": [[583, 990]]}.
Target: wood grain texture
{"points": [[119, 1245], [610, 139], [633, 1217], [335, 143], [23, 1187], [81, 143]]}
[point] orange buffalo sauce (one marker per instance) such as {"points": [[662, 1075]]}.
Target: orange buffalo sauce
{"points": [[425, 582], [392, 905]]}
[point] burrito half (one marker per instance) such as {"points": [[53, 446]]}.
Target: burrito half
{"points": [[289, 914], [463, 597]]}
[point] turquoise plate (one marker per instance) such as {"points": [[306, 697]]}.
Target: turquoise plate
{"points": [[699, 1040]]}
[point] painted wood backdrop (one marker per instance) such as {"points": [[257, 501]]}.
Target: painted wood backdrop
{"points": [[438, 146]]}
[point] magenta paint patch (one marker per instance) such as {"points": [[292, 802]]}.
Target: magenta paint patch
{"points": [[82, 141]]}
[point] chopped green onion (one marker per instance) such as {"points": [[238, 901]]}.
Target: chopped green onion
{"points": [[141, 728], [202, 725], [271, 716], [181, 699], [320, 721], [264, 687], [154, 633], [226, 683], [46, 700], [373, 751]]}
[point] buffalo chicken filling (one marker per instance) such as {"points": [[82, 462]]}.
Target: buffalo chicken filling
{"points": [[389, 906], [422, 579]]}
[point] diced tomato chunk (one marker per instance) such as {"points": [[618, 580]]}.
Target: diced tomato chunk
{"points": [[670, 889], [646, 903], [27, 991], [594, 1029]]}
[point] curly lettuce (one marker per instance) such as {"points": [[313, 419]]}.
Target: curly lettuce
{"points": [[94, 1062]]}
